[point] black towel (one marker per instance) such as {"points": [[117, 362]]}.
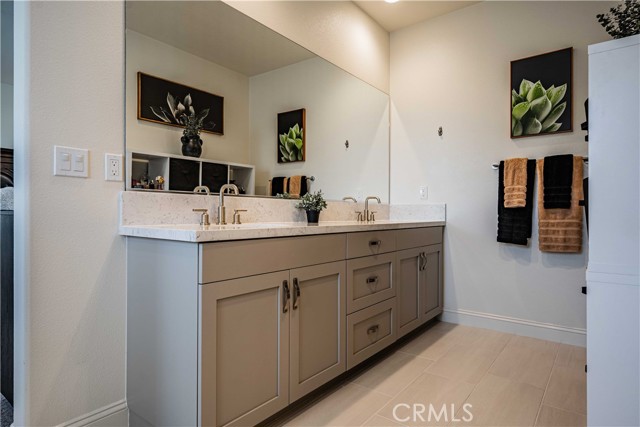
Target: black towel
{"points": [[515, 224], [304, 189], [277, 185], [558, 178]]}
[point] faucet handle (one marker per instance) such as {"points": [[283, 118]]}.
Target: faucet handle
{"points": [[236, 215], [204, 218], [372, 216], [360, 216]]}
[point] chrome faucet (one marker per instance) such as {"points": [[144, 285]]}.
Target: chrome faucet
{"points": [[370, 216], [221, 209], [349, 198], [202, 189]]}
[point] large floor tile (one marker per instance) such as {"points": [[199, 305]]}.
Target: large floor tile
{"points": [[378, 421], [567, 389], [526, 360], [554, 417], [498, 401], [427, 390], [350, 405], [433, 344], [571, 356], [393, 374]]}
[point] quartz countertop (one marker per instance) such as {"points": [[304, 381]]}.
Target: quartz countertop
{"points": [[216, 233]]}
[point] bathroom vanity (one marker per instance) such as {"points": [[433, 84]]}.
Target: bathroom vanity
{"points": [[227, 329]]}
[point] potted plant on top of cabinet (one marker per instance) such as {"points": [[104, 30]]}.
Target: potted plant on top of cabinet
{"points": [[313, 204]]}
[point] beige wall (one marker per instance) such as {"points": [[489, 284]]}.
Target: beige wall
{"points": [[70, 260], [159, 59], [338, 31], [339, 107], [453, 71]]}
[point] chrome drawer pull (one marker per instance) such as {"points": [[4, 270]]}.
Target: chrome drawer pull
{"points": [[372, 283], [373, 329], [296, 293], [376, 242]]}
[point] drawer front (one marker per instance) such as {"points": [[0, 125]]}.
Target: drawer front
{"points": [[242, 258], [369, 281], [416, 237], [370, 330], [370, 243]]}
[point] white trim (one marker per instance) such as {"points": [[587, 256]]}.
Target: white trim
{"points": [[97, 415], [530, 328], [614, 44]]}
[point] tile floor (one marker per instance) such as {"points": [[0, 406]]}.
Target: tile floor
{"points": [[508, 380]]}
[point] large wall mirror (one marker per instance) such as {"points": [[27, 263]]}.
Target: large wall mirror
{"points": [[281, 111]]}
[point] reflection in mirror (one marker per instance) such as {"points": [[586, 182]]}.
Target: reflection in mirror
{"points": [[246, 75]]}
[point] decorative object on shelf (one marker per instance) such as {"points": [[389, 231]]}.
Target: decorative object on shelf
{"points": [[291, 136], [191, 141], [545, 106], [313, 204], [166, 102], [622, 20], [159, 182]]}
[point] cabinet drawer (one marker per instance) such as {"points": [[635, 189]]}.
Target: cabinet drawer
{"points": [[369, 331], [370, 243], [242, 258], [369, 281], [416, 237]]}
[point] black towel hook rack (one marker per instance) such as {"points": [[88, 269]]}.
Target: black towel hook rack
{"points": [[495, 166]]}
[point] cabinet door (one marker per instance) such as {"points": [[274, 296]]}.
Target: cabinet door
{"points": [[214, 176], [431, 286], [317, 325], [409, 278], [184, 175], [244, 349]]}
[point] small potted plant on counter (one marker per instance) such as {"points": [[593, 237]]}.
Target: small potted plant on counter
{"points": [[312, 203]]}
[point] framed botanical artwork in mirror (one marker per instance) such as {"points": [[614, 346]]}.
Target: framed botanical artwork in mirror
{"points": [[292, 136]]}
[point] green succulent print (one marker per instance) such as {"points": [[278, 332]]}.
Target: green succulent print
{"points": [[534, 110], [291, 145]]}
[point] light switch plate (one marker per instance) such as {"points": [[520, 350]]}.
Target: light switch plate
{"points": [[424, 192], [113, 167], [69, 161]]}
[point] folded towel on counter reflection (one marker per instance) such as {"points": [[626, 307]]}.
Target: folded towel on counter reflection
{"points": [[296, 186], [515, 224], [558, 181], [277, 185], [560, 230], [515, 183]]}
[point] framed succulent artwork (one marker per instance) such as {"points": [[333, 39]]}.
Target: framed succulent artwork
{"points": [[170, 103], [541, 94], [292, 136]]}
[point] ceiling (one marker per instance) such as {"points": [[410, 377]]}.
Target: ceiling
{"points": [[216, 32], [407, 12]]}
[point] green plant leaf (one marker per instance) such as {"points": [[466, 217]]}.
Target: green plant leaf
{"points": [[284, 159], [515, 98], [296, 129], [291, 134], [292, 157], [532, 127], [283, 139], [554, 115], [536, 92], [517, 129], [556, 95], [553, 128], [525, 87], [520, 110], [298, 142], [284, 151], [541, 107], [299, 155]]}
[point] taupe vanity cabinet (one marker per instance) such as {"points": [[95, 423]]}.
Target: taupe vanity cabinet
{"points": [[229, 333]]}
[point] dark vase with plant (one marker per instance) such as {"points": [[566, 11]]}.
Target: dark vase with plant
{"points": [[183, 113], [313, 204]]}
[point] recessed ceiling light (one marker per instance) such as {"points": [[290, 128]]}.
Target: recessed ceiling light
{"points": [[391, 1]]}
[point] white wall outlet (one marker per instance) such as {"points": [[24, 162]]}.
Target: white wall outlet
{"points": [[424, 192], [69, 161], [113, 167]]}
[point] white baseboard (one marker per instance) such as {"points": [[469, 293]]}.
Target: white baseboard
{"points": [[529, 328], [113, 415]]}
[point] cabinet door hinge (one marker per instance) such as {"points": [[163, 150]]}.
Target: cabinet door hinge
{"points": [[584, 290]]}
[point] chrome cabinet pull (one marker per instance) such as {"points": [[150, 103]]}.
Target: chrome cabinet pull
{"points": [[372, 282], [285, 296], [296, 293], [423, 261], [375, 242], [373, 329]]}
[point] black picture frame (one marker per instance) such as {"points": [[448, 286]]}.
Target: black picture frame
{"points": [[287, 121], [152, 93], [553, 70]]}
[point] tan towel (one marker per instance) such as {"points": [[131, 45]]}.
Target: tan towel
{"points": [[560, 230], [515, 183], [295, 185], [285, 185]]}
